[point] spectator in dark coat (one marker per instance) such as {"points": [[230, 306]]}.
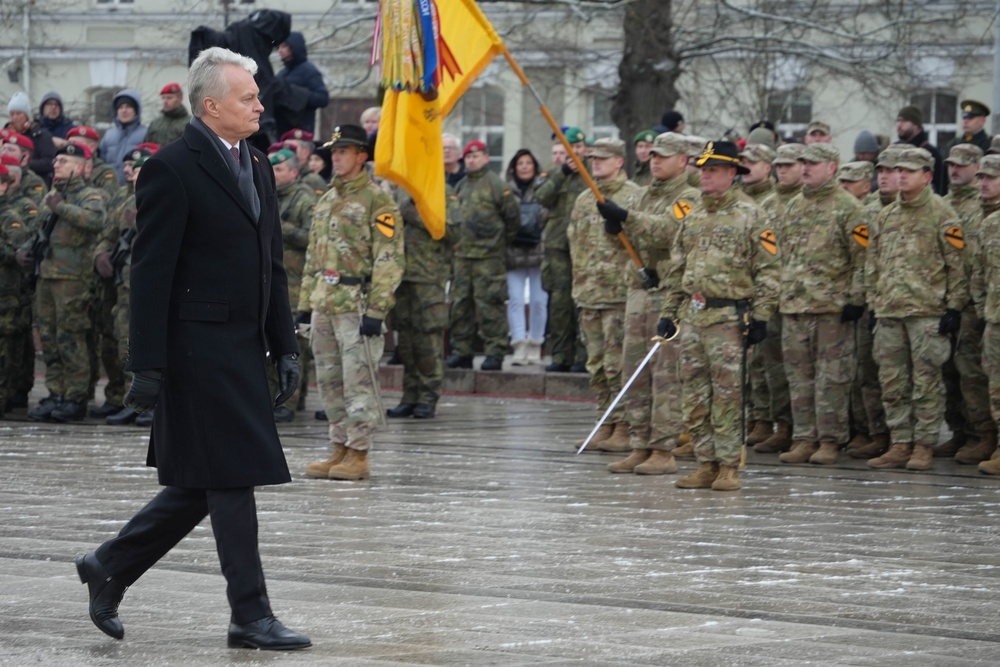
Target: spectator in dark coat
{"points": [[43, 151], [53, 118], [303, 91]]}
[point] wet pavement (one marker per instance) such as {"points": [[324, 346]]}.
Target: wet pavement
{"points": [[482, 539]]}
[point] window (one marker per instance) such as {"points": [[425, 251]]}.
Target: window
{"points": [[100, 107], [482, 118], [940, 111], [601, 125], [791, 112]]}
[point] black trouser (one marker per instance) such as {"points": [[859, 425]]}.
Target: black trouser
{"points": [[174, 513]]}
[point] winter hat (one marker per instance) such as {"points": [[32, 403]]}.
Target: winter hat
{"points": [[866, 143], [19, 102]]}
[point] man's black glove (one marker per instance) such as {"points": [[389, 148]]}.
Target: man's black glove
{"points": [[951, 321], [650, 278], [371, 326], [666, 328], [871, 322], [288, 377], [756, 331], [145, 390], [567, 169], [303, 318], [613, 214], [851, 313]]}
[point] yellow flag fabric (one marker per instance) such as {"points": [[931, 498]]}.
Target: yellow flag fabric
{"points": [[468, 45]]}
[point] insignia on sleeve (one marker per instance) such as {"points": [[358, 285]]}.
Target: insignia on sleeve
{"points": [[955, 237], [386, 224], [682, 208], [769, 242], [860, 234]]}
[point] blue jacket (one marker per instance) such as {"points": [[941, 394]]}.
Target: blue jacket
{"points": [[120, 139], [303, 91], [61, 125]]}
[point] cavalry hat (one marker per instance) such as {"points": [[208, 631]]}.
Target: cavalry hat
{"points": [[722, 153], [342, 137]]}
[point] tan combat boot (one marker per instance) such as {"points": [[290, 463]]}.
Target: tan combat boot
{"points": [[977, 450], [827, 453], [952, 446], [859, 440], [618, 442], [780, 441], [659, 463], [897, 456], [761, 431], [628, 464], [701, 478], [728, 479], [353, 467], [685, 447], [603, 433], [321, 469], [991, 467], [922, 458], [878, 446], [801, 452]]}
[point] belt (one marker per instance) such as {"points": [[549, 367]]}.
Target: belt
{"points": [[334, 278], [726, 303]]}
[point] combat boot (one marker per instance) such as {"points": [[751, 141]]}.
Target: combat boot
{"points": [[779, 441], [659, 463], [603, 433], [897, 456], [458, 361], [321, 469], [492, 364], [353, 467], [43, 411], [878, 446], [685, 447], [701, 478], [976, 451], [952, 446], [922, 458], [520, 356], [728, 479], [761, 431], [801, 451], [69, 411], [859, 440], [144, 419], [991, 467], [827, 453], [629, 463], [618, 441], [122, 417]]}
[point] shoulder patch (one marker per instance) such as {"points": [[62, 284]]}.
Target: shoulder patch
{"points": [[955, 237], [386, 224], [769, 241], [681, 208], [860, 234]]}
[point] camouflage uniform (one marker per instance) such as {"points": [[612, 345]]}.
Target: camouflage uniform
{"points": [[32, 186], [168, 126], [120, 222], [18, 220], [985, 279], [599, 290], [642, 176], [490, 217], [315, 183], [353, 240], [103, 176]]}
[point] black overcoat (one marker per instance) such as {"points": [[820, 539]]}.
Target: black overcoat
{"points": [[208, 293]]}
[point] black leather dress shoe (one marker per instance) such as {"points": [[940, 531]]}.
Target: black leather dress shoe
{"points": [[267, 634], [144, 419], [283, 414], [423, 411], [320, 415], [122, 417], [401, 410], [105, 595], [105, 410]]}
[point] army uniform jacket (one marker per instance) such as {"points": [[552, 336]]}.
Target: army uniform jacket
{"points": [[760, 190], [965, 200], [295, 209], [822, 252], [428, 261], [490, 216], [32, 186], [558, 194], [82, 215], [168, 126], [913, 266], [18, 220], [978, 253], [103, 176], [354, 235]]}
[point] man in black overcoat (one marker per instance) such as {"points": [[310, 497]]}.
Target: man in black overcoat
{"points": [[209, 297]]}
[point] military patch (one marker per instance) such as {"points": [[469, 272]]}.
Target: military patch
{"points": [[769, 241], [860, 234], [386, 224], [682, 208], [955, 237], [15, 225]]}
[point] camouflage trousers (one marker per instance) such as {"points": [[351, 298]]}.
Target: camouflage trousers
{"points": [[711, 357], [991, 366], [421, 315], [63, 311], [769, 397], [344, 377], [478, 297], [867, 413], [910, 353], [603, 334], [653, 402], [120, 314], [954, 407], [15, 331], [819, 361], [563, 338], [102, 344], [972, 378]]}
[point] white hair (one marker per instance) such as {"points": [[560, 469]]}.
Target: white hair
{"points": [[206, 77]]}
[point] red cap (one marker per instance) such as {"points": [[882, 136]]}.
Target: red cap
{"points": [[149, 146], [9, 159], [171, 89], [19, 140], [83, 131], [274, 148], [475, 145], [297, 134]]}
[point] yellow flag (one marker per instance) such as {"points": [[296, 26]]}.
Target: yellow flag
{"points": [[467, 46]]}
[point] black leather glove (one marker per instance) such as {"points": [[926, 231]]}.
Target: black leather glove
{"points": [[566, 168], [371, 326], [756, 331], [666, 328], [613, 214], [851, 313], [145, 390], [288, 377], [951, 321], [871, 322], [650, 278], [303, 318]]}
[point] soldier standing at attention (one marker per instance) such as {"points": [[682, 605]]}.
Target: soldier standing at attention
{"points": [[917, 289], [641, 174], [353, 265], [973, 121], [169, 125], [722, 290]]}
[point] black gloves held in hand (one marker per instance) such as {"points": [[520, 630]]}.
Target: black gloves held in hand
{"points": [[145, 390], [288, 377], [951, 321], [303, 318], [851, 313], [756, 331], [371, 326], [666, 328], [613, 214]]}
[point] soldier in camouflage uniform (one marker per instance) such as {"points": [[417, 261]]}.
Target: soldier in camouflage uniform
{"points": [[102, 175], [599, 289], [173, 118], [641, 174], [62, 296], [558, 194], [918, 304], [652, 404], [354, 264], [490, 217], [721, 292], [822, 297], [296, 202], [20, 147], [301, 142], [856, 178], [695, 146]]}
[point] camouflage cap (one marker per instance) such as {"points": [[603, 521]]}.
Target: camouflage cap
{"points": [[788, 153], [605, 148], [696, 144], [889, 157], [758, 153], [990, 165], [669, 143], [915, 159], [818, 126], [649, 136], [820, 153], [862, 170], [964, 154]]}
